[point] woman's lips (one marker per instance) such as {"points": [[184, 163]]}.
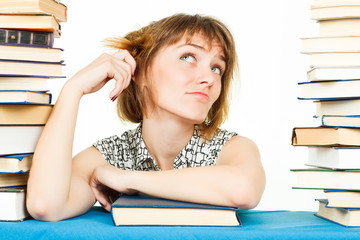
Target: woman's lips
{"points": [[200, 94]]}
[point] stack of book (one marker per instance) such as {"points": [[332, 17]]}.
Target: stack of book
{"points": [[28, 60], [333, 83]]}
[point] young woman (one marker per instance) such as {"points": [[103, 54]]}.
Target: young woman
{"points": [[173, 78]]}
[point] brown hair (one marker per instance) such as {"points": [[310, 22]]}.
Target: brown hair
{"points": [[146, 42]]}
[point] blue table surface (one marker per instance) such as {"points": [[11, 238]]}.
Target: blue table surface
{"points": [[97, 224]]}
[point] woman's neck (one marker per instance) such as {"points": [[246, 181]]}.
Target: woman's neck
{"points": [[165, 138]]}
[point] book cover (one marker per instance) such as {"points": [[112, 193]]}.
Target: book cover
{"points": [[351, 121], [143, 210]]}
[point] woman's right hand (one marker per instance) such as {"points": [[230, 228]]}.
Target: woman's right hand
{"points": [[119, 66]]}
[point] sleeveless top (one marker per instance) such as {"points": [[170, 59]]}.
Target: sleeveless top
{"points": [[128, 151]]}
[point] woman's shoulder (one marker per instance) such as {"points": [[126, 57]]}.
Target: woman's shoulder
{"points": [[127, 137], [221, 136]]}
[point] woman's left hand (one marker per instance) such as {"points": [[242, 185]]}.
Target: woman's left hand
{"points": [[108, 182]]}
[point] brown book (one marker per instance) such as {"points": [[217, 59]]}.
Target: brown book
{"points": [[13, 180], [23, 114], [18, 163], [325, 136], [39, 7]]}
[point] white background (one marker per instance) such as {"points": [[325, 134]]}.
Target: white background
{"points": [[264, 107]]}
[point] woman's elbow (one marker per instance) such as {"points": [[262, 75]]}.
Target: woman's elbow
{"points": [[41, 210], [247, 197]]}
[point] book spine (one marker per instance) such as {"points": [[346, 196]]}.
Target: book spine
{"points": [[26, 38]]}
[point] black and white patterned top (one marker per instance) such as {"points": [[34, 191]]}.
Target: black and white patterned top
{"points": [[128, 151]]}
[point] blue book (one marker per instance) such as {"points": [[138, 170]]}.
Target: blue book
{"points": [[143, 210]]}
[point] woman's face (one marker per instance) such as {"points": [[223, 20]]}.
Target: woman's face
{"points": [[186, 78]]}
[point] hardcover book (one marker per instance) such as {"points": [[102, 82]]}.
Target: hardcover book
{"points": [[337, 107], [331, 44], [326, 136], [12, 204], [19, 83], [352, 121], [27, 68], [26, 38], [31, 23], [322, 178], [340, 27], [336, 158], [141, 210], [334, 73], [40, 7], [16, 139], [19, 163], [329, 90], [349, 217], [335, 59], [33, 54], [335, 12], [24, 114], [8, 180], [24, 96], [343, 198]]}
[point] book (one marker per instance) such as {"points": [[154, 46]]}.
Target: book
{"points": [[335, 59], [8, 180], [15, 37], [331, 44], [322, 178], [31, 23], [24, 96], [27, 68], [334, 12], [341, 121], [34, 54], [40, 7], [336, 158], [337, 107], [340, 27], [16, 139], [19, 163], [24, 114], [12, 204], [141, 210], [328, 90], [325, 136], [19, 83], [343, 198], [349, 217], [333, 73]]}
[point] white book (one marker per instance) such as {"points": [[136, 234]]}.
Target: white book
{"points": [[329, 89], [333, 73], [335, 59], [334, 157], [15, 139], [337, 107], [12, 204]]}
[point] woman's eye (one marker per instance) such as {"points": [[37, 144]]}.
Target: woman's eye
{"points": [[216, 70], [188, 57]]}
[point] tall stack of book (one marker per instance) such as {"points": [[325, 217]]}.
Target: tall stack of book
{"points": [[334, 85], [28, 60]]}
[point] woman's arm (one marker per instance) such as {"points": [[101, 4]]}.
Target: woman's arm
{"points": [[238, 179], [58, 187]]}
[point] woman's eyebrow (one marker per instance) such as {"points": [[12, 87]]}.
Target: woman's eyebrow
{"points": [[221, 56]]}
